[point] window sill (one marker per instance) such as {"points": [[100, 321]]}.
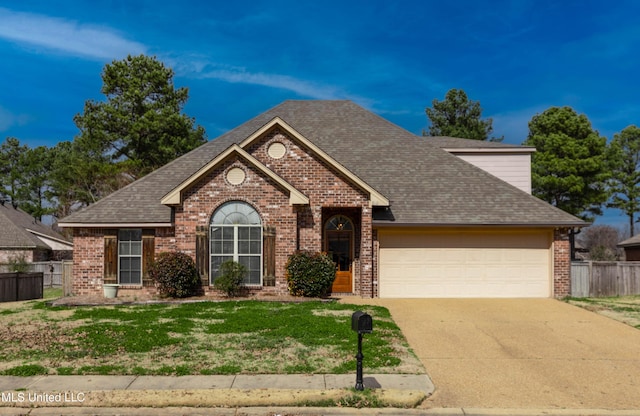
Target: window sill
{"points": [[129, 286]]}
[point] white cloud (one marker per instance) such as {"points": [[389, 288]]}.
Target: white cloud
{"points": [[202, 68], [284, 82], [8, 119], [65, 36]]}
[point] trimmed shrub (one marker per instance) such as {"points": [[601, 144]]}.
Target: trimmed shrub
{"points": [[175, 275], [231, 277], [310, 274]]}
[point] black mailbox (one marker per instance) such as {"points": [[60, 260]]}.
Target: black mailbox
{"points": [[361, 322]]}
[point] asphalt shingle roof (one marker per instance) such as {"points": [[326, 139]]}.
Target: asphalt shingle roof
{"points": [[14, 224], [446, 142], [425, 184], [630, 242]]}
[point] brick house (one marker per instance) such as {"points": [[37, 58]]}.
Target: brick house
{"points": [[401, 215]]}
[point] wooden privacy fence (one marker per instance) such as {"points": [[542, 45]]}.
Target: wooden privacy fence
{"points": [[21, 286], [596, 279], [55, 273]]}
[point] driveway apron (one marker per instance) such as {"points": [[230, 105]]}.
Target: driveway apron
{"points": [[520, 353]]}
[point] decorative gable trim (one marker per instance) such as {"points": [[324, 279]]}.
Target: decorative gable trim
{"points": [[375, 197], [174, 197]]}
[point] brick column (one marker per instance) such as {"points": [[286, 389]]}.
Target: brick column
{"points": [[561, 263], [366, 255]]}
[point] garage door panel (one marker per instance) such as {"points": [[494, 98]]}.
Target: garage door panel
{"points": [[431, 265]]}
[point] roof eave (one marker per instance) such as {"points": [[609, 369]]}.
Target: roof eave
{"points": [[389, 224], [115, 225], [57, 239], [454, 150], [30, 247]]}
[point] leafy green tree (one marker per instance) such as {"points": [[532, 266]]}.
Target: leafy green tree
{"points": [[624, 159], [81, 175], [569, 167], [457, 116], [11, 169], [35, 187], [140, 125]]}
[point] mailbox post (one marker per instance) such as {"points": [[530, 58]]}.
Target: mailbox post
{"points": [[362, 324]]}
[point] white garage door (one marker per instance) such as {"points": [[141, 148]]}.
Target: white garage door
{"points": [[473, 263]]}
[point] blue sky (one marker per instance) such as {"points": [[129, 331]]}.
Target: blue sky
{"points": [[238, 59]]}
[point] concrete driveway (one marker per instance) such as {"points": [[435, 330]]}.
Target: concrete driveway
{"points": [[520, 353]]}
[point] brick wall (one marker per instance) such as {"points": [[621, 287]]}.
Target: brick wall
{"points": [[561, 263], [327, 190], [88, 260], [268, 198], [296, 227]]}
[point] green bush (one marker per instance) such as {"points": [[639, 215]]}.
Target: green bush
{"points": [[310, 274], [231, 277], [18, 264], [175, 275]]}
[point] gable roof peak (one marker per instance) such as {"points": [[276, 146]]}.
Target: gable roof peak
{"points": [[174, 197]]}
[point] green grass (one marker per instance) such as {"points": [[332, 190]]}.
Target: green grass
{"points": [[203, 338], [356, 399], [623, 308], [53, 293], [26, 370]]}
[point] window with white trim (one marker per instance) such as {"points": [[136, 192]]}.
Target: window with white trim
{"points": [[130, 256], [236, 234]]}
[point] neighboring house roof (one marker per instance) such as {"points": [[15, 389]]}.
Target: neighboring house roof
{"points": [[630, 242], [21, 230], [424, 184], [459, 146], [456, 143]]}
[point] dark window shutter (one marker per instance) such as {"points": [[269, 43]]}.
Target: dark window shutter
{"points": [[202, 252], [269, 256], [148, 254], [110, 256]]}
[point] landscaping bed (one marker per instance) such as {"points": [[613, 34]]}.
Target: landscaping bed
{"points": [[205, 337]]}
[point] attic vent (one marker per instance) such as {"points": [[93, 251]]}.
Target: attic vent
{"points": [[235, 176], [277, 150]]}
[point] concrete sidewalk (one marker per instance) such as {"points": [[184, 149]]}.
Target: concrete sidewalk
{"points": [[245, 382], [72, 394], [233, 395], [306, 411]]}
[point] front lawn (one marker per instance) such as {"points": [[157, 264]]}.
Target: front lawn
{"points": [[248, 337], [624, 309]]}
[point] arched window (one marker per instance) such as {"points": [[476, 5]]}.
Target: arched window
{"points": [[339, 223], [236, 234]]}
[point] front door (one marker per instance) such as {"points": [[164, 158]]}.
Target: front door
{"points": [[339, 245]]}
